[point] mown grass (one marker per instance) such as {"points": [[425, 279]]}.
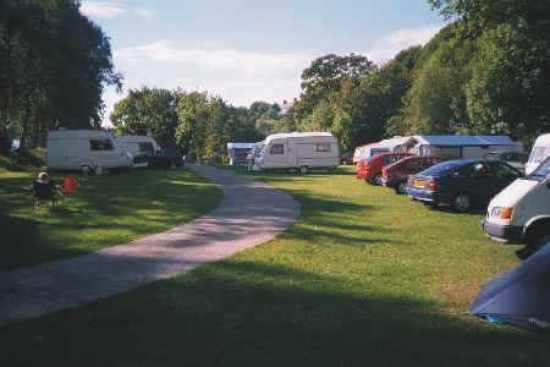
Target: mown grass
{"points": [[365, 278], [106, 210]]}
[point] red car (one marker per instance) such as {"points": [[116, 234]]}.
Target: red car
{"points": [[396, 175], [370, 169]]}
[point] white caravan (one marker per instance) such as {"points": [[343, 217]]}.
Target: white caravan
{"points": [[140, 147], [302, 151], [393, 145], [541, 151], [521, 212], [85, 150]]}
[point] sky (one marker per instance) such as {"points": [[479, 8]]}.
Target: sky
{"points": [[249, 50]]}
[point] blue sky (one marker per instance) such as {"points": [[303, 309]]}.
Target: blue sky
{"points": [[246, 50]]}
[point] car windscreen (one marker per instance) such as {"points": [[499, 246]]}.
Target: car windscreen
{"points": [[442, 168], [542, 172]]}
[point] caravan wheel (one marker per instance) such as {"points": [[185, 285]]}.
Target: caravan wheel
{"points": [[304, 170], [86, 170]]}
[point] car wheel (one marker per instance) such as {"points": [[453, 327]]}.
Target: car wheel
{"points": [[377, 180], [304, 170], [536, 241], [401, 188], [462, 203]]}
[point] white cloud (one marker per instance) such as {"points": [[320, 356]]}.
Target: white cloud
{"points": [[239, 76], [385, 49], [145, 13], [102, 9], [113, 9]]}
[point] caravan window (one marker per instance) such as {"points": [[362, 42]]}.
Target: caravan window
{"points": [[323, 148], [101, 145], [277, 149]]}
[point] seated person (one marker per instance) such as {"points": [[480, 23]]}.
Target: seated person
{"points": [[44, 188]]}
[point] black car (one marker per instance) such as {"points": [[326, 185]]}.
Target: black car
{"points": [[166, 158], [463, 184]]}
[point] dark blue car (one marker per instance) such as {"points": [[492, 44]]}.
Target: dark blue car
{"points": [[462, 184]]}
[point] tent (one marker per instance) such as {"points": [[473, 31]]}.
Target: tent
{"points": [[520, 297], [462, 146], [238, 153], [393, 145]]}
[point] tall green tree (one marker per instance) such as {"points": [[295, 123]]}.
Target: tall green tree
{"points": [[148, 111]]}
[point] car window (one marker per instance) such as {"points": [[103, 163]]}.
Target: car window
{"points": [[473, 170], [503, 171]]}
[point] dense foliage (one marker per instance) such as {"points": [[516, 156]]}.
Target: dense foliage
{"points": [[54, 65], [486, 72]]}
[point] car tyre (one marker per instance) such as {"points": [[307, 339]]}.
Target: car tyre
{"points": [[535, 242], [462, 203], [401, 188]]}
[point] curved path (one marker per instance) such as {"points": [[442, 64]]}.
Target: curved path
{"points": [[250, 213]]}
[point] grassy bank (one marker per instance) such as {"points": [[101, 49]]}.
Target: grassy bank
{"points": [[105, 211], [364, 278]]}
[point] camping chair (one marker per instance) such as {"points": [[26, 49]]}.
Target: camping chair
{"points": [[70, 184], [44, 191]]}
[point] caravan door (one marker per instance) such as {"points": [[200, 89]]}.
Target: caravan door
{"points": [[278, 153]]}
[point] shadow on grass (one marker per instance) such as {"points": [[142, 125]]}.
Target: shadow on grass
{"points": [[240, 313], [106, 210]]}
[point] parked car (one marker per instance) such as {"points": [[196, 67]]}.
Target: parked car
{"points": [[370, 169], [397, 174], [514, 159], [346, 158], [521, 212], [166, 158], [142, 148], [539, 153], [463, 184]]}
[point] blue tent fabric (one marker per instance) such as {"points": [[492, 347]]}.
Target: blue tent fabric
{"points": [[520, 297]]}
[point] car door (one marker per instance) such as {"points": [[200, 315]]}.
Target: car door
{"points": [[473, 179]]}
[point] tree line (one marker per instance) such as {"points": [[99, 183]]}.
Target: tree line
{"points": [[486, 72], [54, 66]]}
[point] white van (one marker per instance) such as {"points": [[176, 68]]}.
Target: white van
{"points": [[140, 147], [85, 150], [302, 151], [539, 153], [521, 212]]}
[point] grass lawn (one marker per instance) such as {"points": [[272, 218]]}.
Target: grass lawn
{"points": [[365, 278], [106, 210]]}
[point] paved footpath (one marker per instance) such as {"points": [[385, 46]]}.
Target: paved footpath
{"points": [[251, 213]]}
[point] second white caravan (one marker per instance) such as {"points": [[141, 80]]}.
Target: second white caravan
{"points": [[302, 151]]}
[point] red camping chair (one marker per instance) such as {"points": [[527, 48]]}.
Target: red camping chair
{"points": [[70, 184]]}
